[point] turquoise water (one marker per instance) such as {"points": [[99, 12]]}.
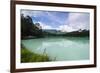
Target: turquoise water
{"points": [[61, 48]]}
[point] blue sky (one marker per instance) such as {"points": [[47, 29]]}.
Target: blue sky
{"points": [[65, 21]]}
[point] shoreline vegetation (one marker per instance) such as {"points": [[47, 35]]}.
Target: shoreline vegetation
{"points": [[28, 56]]}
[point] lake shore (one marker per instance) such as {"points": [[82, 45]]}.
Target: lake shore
{"points": [[28, 56]]}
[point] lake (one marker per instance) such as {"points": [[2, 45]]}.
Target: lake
{"points": [[61, 48]]}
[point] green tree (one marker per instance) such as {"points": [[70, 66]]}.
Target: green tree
{"points": [[28, 28]]}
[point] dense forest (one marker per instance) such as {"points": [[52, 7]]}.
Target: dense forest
{"points": [[28, 28]]}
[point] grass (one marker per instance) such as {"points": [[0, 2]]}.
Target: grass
{"points": [[28, 56]]}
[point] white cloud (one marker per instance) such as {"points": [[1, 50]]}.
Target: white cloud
{"points": [[44, 26], [79, 20], [75, 22], [66, 28]]}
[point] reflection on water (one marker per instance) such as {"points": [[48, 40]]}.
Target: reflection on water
{"points": [[63, 48]]}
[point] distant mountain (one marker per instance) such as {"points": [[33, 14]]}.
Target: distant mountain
{"points": [[52, 31], [78, 33], [73, 33], [49, 30]]}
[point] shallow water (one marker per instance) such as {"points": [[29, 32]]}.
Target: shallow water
{"points": [[61, 48]]}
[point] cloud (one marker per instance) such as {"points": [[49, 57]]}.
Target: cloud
{"points": [[44, 26], [65, 21], [53, 18], [66, 28], [79, 20], [75, 22]]}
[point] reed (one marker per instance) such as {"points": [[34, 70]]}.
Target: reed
{"points": [[28, 56]]}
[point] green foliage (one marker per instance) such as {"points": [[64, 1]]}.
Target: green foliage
{"points": [[28, 28], [28, 56], [26, 25], [83, 33]]}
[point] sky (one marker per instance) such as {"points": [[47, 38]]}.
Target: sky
{"points": [[64, 21]]}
